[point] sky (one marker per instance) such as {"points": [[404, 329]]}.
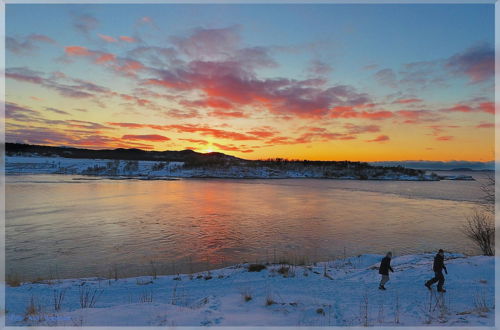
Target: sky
{"points": [[299, 81]]}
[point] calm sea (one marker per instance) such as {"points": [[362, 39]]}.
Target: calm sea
{"points": [[74, 226]]}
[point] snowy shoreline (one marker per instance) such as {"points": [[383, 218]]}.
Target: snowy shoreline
{"points": [[342, 292], [155, 170]]}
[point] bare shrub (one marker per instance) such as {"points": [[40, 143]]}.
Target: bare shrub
{"points": [[397, 309], [32, 309], [247, 295], [58, 296], [256, 267], [480, 228], [488, 199], [380, 317], [363, 309], [88, 296], [270, 299], [146, 296], [479, 301]]}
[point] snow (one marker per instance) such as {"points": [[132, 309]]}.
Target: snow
{"points": [[162, 169], [347, 296]]}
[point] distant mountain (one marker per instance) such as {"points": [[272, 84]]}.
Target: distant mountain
{"points": [[441, 166], [188, 156]]}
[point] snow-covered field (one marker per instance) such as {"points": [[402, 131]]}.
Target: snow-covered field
{"points": [[162, 169], [336, 293]]}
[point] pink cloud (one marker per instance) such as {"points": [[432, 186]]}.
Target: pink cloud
{"points": [[485, 125], [127, 39], [77, 51], [107, 38], [406, 101], [488, 107]]}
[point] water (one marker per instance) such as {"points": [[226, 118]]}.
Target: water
{"points": [[74, 226]]}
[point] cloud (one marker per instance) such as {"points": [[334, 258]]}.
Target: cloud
{"points": [[107, 38], [231, 148], [386, 77], [263, 132], [485, 125], [97, 56], [197, 141], [87, 124], [444, 138], [380, 138], [176, 113], [59, 112], [203, 130], [351, 112], [359, 129], [155, 56], [439, 129], [228, 114], [206, 44], [233, 83], [19, 113], [317, 67], [128, 39], [146, 137], [370, 67], [65, 86], [26, 45], [477, 63], [469, 107], [406, 101], [214, 63], [417, 116], [68, 137], [84, 22]]}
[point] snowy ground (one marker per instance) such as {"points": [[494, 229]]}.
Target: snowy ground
{"points": [[295, 296], [161, 169]]}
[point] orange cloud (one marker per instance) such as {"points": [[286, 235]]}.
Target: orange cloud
{"points": [[231, 148], [233, 114], [444, 138], [380, 138], [203, 142]]}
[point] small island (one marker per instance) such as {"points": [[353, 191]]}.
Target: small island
{"points": [[154, 165]]}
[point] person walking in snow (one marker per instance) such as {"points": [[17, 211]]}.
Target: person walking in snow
{"points": [[438, 272], [385, 267]]}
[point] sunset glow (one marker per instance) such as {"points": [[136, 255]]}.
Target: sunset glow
{"points": [[319, 82]]}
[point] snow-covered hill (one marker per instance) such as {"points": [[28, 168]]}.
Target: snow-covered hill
{"points": [[162, 169], [338, 293]]}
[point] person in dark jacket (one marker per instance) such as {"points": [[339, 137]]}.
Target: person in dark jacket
{"points": [[385, 267], [438, 272]]}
